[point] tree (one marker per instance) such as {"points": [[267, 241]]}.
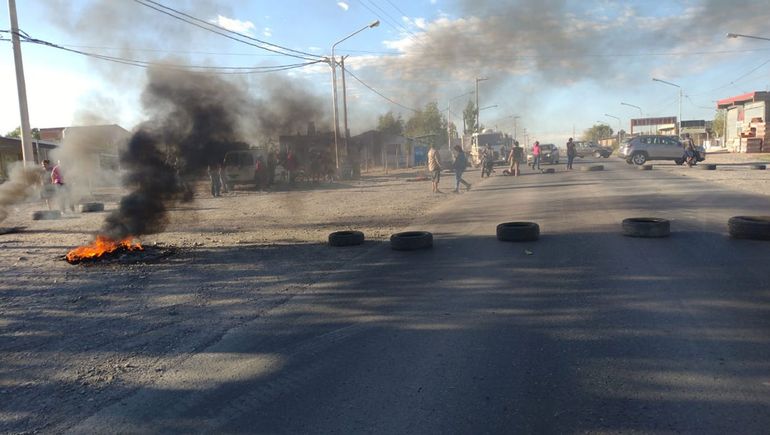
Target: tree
{"points": [[390, 124], [469, 118], [17, 133], [428, 122], [718, 126], [597, 131]]}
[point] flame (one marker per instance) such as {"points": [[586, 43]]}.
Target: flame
{"points": [[101, 246]]}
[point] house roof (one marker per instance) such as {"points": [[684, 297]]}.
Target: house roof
{"points": [[738, 100]]}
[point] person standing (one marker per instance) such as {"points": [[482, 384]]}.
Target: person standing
{"points": [[216, 180], [434, 167], [536, 155], [47, 190], [62, 190], [515, 157], [291, 166], [459, 166], [571, 152]]}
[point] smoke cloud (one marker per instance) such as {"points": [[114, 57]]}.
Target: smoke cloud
{"points": [[194, 120], [19, 187]]}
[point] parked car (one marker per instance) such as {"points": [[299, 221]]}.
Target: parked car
{"points": [[640, 149], [549, 153], [245, 167], [584, 149]]}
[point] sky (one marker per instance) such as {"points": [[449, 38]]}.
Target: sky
{"points": [[560, 66]]}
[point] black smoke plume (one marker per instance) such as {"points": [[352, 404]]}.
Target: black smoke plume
{"points": [[195, 120]]}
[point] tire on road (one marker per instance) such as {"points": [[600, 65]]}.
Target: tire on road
{"points": [[645, 168], [749, 227], [708, 166], [759, 167], [41, 215], [346, 238], [679, 162], [411, 240], [90, 207], [549, 171], [518, 232], [592, 168], [649, 227]]}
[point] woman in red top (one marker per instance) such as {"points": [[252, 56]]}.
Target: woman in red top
{"points": [[536, 155]]}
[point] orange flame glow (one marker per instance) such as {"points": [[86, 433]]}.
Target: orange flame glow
{"points": [[101, 246]]}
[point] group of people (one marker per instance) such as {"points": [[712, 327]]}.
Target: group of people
{"points": [[459, 165]]}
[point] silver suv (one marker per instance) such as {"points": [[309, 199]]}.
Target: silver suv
{"points": [[640, 149]]}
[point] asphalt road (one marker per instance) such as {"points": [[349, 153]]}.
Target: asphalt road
{"points": [[592, 332]]}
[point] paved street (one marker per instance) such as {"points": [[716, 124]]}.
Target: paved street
{"points": [[592, 332]]}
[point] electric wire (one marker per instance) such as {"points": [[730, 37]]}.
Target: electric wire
{"points": [[347, 71], [209, 28], [146, 64], [242, 35]]}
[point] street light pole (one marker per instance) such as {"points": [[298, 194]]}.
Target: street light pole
{"points": [[641, 115], [27, 155], [619, 125], [738, 35], [679, 126], [478, 119], [448, 115], [333, 65]]}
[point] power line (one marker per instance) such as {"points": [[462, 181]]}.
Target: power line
{"points": [[208, 26], [347, 71], [388, 20], [147, 64]]}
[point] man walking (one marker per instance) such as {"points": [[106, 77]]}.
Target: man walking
{"points": [[571, 151], [460, 163], [516, 156], [434, 167]]}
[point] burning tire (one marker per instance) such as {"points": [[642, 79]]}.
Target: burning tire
{"points": [[645, 168], [648, 227], [411, 240], [708, 166], [592, 168], [518, 232], [42, 215], [749, 227], [759, 167], [346, 238], [90, 207]]}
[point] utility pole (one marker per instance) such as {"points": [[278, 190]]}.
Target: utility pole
{"points": [[26, 136], [336, 124], [478, 120]]}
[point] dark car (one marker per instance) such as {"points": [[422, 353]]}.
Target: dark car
{"points": [[549, 153], [585, 149]]}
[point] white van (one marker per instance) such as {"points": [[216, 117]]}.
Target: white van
{"points": [[245, 167]]}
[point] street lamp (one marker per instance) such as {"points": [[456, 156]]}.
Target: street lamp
{"points": [[619, 125], [478, 120], [333, 65], [738, 35], [641, 115], [448, 115], [679, 127]]}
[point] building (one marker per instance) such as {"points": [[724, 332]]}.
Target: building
{"points": [[389, 151], [10, 152], [661, 125], [745, 120]]}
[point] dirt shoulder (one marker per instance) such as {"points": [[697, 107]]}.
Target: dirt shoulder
{"points": [[733, 170]]}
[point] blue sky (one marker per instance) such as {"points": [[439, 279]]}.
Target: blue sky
{"points": [[557, 64]]}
